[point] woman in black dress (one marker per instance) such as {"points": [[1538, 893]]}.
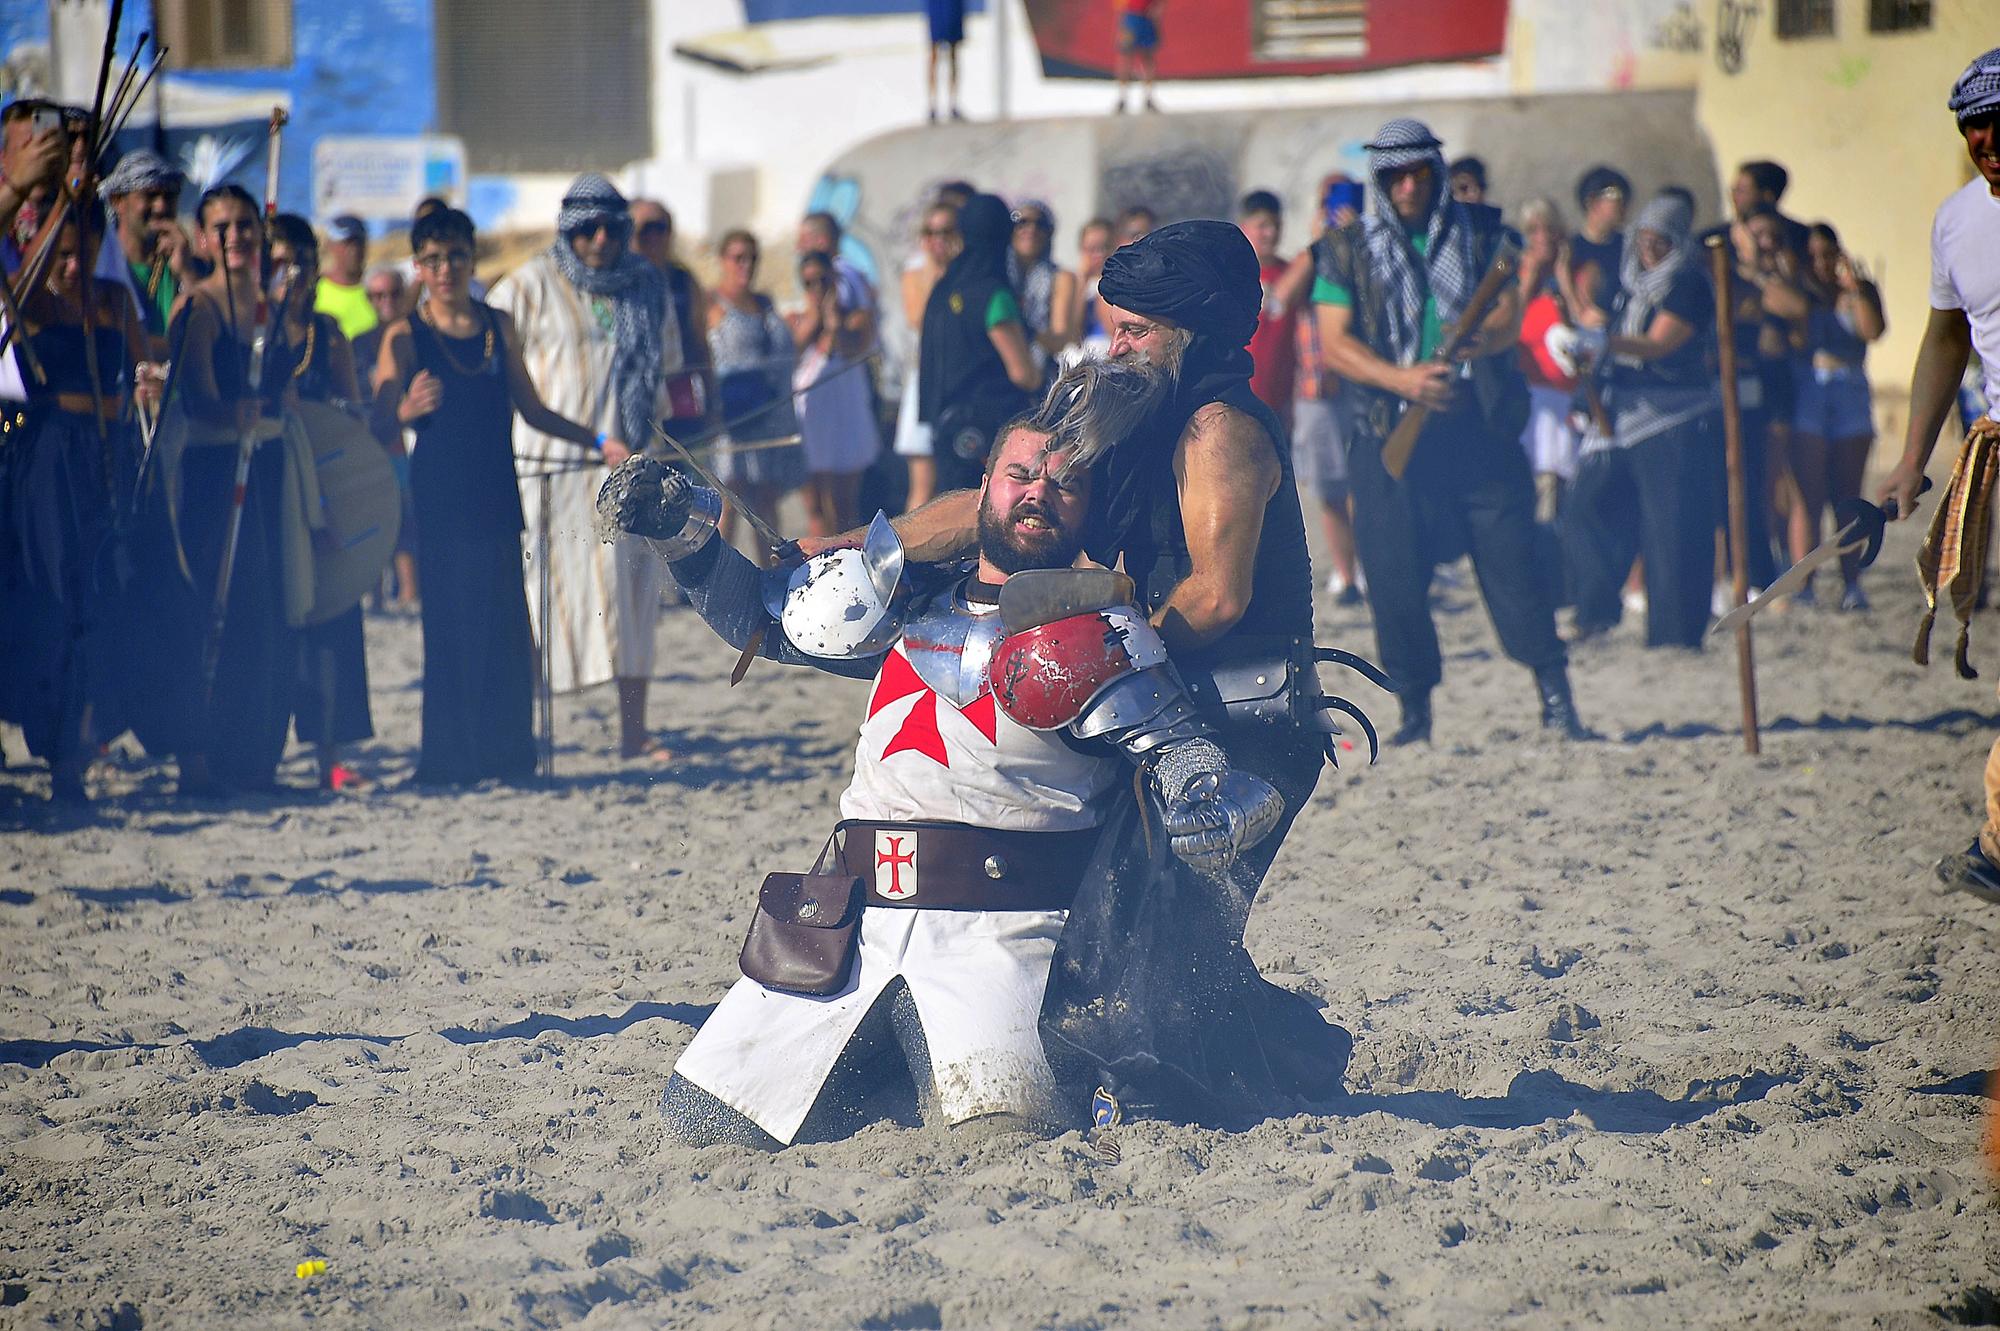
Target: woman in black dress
{"points": [[330, 700], [453, 372], [66, 470], [228, 737]]}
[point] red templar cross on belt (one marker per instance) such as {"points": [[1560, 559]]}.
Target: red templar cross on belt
{"points": [[890, 855]]}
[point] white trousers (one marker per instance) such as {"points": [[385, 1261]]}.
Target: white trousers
{"points": [[977, 979]]}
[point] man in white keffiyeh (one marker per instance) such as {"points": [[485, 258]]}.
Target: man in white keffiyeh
{"points": [[599, 336]]}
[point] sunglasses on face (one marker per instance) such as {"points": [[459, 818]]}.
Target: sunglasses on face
{"points": [[650, 229], [616, 227]]}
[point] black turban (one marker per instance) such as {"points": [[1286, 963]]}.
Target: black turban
{"points": [[1201, 275]]}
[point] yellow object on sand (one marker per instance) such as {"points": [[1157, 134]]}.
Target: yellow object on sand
{"points": [[307, 1270]]}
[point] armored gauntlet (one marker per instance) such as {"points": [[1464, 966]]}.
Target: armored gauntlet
{"points": [[645, 497]]}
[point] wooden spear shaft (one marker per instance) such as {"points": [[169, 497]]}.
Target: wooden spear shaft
{"points": [[1739, 497]]}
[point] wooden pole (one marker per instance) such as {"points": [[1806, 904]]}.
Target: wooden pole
{"points": [[1739, 497], [545, 694]]}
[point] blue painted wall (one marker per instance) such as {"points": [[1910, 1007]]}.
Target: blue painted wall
{"points": [[359, 67]]}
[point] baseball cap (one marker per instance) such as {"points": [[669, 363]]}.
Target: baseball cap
{"points": [[347, 227]]}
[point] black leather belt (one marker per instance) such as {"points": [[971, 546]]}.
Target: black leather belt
{"points": [[951, 866]]}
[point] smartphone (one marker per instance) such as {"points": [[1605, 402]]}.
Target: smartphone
{"points": [[1342, 194], [46, 119]]}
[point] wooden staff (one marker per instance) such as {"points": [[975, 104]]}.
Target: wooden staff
{"points": [[545, 694], [1739, 497], [1402, 440]]}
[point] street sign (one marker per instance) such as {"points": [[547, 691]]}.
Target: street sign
{"points": [[381, 176]]}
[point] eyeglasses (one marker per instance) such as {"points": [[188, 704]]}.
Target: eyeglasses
{"points": [[741, 256], [1035, 220], [940, 232], [450, 258]]}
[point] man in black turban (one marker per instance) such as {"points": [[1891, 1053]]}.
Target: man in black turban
{"points": [[1151, 990]]}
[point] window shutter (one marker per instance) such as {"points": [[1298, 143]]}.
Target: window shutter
{"points": [[534, 86]]}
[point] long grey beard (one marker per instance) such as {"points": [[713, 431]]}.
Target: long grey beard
{"points": [[1095, 403]]}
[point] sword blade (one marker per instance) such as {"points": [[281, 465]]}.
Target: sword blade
{"points": [[708, 478], [1794, 577]]}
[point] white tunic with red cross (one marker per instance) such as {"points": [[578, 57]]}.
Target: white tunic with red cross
{"points": [[976, 976]]}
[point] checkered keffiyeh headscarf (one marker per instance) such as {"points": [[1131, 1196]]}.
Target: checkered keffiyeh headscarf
{"points": [[1645, 288], [1978, 88], [142, 168], [1448, 273], [645, 338]]}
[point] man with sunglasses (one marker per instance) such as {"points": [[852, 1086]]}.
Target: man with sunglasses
{"points": [[601, 337]]}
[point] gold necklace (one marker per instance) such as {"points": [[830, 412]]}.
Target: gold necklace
{"points": [[444, 345], [305, 361]]}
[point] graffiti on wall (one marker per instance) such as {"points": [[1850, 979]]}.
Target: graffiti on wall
{"points": [[1679, 31], [1732, 30]]}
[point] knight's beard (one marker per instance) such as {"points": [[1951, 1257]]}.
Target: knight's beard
{"points": [[1003, 544]]}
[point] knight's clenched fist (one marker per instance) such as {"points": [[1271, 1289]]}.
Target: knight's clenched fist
{"points": [[1219, 815], [645, 497]]}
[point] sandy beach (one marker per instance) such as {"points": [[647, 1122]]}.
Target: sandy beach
{"points": [[1648, 1032]]}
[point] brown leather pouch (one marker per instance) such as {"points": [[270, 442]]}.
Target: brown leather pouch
{"points": [[805, 930]]}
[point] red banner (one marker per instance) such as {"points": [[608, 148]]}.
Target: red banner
{"points": [[1234, 39]]}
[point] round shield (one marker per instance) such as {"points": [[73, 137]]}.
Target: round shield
{"points": [[360, 505]]}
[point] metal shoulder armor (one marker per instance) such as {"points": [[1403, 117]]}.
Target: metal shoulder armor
{"points": [[843, 603]]}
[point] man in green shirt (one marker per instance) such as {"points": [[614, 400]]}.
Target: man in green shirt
{"points": [[1387, 284], [340, 292], [145, 191]]}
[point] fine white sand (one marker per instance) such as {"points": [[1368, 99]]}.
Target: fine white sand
{"points": [[1649, 1033]]}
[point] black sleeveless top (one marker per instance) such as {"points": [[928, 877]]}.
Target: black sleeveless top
{"points": [[315, 377], [1136, 512], [462, 468], [232, 362], [59, 348]]}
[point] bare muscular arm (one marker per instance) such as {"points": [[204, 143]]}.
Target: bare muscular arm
{"points": [[1941, 358], [1225, 470], [943, 529]]}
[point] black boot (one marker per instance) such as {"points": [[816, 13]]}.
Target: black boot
{"points": [[1416, 727], [1558, 707]]}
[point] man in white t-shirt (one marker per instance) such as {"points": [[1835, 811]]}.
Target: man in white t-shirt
{"points": [[1965, 316]]}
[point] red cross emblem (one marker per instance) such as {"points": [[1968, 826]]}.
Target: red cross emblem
{"points": [[919, 732], [890, 861]]}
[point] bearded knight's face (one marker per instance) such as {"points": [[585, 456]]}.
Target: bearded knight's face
{"points": [[1031, 511]]}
